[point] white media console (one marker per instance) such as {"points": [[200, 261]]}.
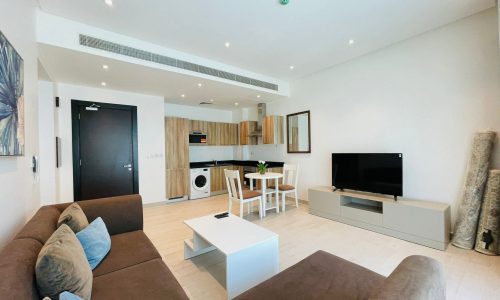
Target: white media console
{"points": [[422, 222]]}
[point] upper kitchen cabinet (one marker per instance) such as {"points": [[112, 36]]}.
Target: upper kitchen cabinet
{"points": [[246, 128], [212, 133], [198, 126], [228, 133], [272, 130]]}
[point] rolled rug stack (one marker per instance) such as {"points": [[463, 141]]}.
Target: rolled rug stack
{"points": [[488, 233], [468, 212]]}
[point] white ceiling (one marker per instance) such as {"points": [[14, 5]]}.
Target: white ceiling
{"points": [[267, 37], [74, 67]]}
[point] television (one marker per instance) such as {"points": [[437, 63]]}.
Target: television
{"points": [[369, 172]]}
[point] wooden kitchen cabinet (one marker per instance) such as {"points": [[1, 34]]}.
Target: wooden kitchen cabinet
{"points": [[177, 183], [201, 126], [246, 127], [223, 131], [233, 134], [177, 156], [218, 133], [212, 134], [228, 133], [272, 130], [218, 178]]}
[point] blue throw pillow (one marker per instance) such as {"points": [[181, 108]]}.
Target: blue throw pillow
{"points": [[68, 296], [95, 241]]}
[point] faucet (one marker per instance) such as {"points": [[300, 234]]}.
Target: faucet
{"points": [[215, 162]]}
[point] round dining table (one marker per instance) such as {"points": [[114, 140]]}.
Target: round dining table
{"points": [[263, 178]]}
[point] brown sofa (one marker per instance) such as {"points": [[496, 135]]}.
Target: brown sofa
{"points": [[133, 269], [325, 276]]}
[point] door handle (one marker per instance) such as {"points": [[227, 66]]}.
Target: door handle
{"points": [[128, 166]]}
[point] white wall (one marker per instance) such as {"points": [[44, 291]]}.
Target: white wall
{"points": [[150, 130], [424, 97], [47, 133], [20, 189], [198, 113], [203, 153]]}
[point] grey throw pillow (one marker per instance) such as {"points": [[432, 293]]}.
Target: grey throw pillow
{"points": [[74, 217], [62, 266]]}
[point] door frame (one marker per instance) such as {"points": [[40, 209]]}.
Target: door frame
{"points": [[75, 122]]}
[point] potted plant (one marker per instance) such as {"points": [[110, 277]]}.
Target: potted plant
{"points": [[262, 167]]}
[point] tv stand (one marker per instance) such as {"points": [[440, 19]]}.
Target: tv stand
{"points": [[422, 222]]}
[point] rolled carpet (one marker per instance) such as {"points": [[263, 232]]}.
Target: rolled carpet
{"points": [[488, 232], [468, 212]]}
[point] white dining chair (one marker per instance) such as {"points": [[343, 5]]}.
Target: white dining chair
{"points": [[289, 185], [237, 194]]}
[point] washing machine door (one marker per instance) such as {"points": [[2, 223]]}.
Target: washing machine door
{"points": [[200, 182]]}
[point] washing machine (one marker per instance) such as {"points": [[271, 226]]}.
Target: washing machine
{"points": [[200, 183]]}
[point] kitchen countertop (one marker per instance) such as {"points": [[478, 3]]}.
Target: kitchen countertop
{"points": [[243, 163]]}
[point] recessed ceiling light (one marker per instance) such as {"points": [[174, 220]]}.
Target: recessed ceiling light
{"points": [[211, 100], [109, 2], [200, 84], [292, 67], [183, 96], [105, 67], [227, 44], [236, 104], [103, 83], [258, 96], [351, 42]]}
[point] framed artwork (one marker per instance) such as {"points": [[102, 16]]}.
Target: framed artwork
{"points": [[11, 100]]}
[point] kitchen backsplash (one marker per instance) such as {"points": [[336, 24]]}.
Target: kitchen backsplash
{"points": [[207, 153], [263, 152]]}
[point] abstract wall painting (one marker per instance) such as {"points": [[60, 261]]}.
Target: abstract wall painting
{"points": [[11, 100]]}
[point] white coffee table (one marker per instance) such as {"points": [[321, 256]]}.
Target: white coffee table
{"points": [[252, 253]]}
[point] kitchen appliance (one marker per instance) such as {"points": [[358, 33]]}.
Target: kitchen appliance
{"points": [[197, 138], [200, 183], [261, 113], [370, 172], [246, 181]]}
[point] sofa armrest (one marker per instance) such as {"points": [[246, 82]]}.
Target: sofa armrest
{"points": [[120, 214], [416, 277]]}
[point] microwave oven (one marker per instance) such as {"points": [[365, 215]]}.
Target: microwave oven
{"points": [[197, 138]]}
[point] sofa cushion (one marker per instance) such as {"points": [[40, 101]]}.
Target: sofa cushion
{"points": [[74, 217], [318, 276], [62, 266], [95, 241], [415, 278], [17, 269], [148, 280], [127, 249], [42, 225]]}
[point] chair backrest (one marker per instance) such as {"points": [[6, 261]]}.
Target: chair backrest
{"points": [[233, 184], [290, 174]]}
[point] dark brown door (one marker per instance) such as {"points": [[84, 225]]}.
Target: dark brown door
{"points": [[104, 150]]}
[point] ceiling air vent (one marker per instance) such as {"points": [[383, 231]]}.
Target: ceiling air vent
{"points": [[205, 103], [96, 43]]}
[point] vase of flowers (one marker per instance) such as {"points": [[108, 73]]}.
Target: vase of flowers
{"points": [[262, 167]]}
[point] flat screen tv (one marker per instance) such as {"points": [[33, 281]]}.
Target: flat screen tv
{"points": [[370, 172]]}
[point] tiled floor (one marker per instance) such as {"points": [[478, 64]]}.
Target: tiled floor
{"points": [[470, 275]]}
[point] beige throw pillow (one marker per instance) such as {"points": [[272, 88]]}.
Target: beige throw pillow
{"points": [[62, 266], [74, 217]]}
